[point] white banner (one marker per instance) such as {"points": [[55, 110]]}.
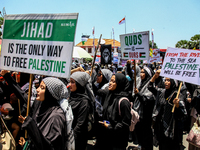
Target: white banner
{"points": [[156, 56], [182, 65], [135, 45], [39, 43]]}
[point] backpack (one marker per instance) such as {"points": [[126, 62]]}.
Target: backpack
{"points": [[135, 116]]}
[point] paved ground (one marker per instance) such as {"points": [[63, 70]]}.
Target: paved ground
{"points": [[131, 146]]}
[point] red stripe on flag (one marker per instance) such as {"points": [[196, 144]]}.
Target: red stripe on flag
{"points": [[122, 21]]}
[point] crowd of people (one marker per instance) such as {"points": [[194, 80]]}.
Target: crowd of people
{"points": [[96, 103]]}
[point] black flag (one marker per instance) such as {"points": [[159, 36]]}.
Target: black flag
{"points": [[106, 55]]}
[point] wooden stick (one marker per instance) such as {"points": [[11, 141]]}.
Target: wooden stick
{"points": [[29, 98], [135, 74], [94, 58], [177, 95], [19, 107]]}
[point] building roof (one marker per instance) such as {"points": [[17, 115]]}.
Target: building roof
{"points": [[89, 43]]}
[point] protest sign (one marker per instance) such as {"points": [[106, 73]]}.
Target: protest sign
{"points": [[39, 43], [156, 56], [115, 58], [106, 56], [135, 45], [182, 65]]}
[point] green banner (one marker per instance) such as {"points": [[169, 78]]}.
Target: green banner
{"points": [[42, 30], [39, 43]]}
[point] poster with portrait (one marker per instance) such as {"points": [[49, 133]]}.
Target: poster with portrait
{"points": [[106, 56]]}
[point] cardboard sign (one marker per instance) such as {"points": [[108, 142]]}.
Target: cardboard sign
{"points": [[135, 45], [182, 65], [156, 56], [39, 43]]}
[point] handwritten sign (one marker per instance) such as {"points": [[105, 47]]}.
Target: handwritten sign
{"points": [[39, 43], [182, 64]]}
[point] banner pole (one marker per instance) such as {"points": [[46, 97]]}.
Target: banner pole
{"points": [[134, 74], [125, 24], [177, 95], [94, 58], [29, 98]]}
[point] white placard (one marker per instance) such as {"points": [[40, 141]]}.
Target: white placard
{"points": [[135, 45], [182, 65], [39, 43]]}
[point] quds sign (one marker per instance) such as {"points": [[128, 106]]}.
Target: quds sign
{"points": [[135, 45]]}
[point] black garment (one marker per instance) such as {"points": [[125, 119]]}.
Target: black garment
{"points": [[46, 124], [46, 130], [159, 82], [20, 94], [143, 104], [116, 135], [162, 116], [79, 102], [5, 92]]}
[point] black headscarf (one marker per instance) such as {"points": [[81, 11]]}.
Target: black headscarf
{"points": [[113, 96], [173, 87], [103, 82], [148, 74], [47, 105], [78, 95], [107, 74]]}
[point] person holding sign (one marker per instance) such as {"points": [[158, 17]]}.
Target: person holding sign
{"points": [[165, 122], [143, 104], [47, 125]]}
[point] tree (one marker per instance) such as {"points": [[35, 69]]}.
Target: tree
{"points": [[1, 23], [193, 43], [182, 44], [154, 45]]}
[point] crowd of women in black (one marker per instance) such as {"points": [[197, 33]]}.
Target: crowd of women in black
{"points": [[101, 107]]}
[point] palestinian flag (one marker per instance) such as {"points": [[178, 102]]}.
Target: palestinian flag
{"points": [[143, 55], [125, 54], [84, 38]]}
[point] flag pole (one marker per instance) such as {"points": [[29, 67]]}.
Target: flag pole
{"points": [[125, 24], [94, 58]]}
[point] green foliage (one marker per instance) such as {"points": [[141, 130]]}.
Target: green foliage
{"points": [[154, 45], [1, 23], [88, 59], [193, 43]]}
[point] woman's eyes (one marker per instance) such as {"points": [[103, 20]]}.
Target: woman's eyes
{"points": [[42, 87]]}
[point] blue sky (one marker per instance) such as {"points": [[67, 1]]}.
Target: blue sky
{"points": [[172, 20]]}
